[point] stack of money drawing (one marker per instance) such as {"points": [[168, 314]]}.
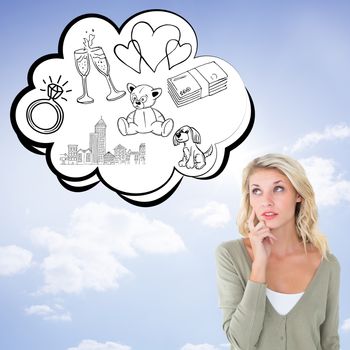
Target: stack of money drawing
{"points": [[205, 80]]}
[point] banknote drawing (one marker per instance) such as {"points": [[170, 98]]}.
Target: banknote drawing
{"points": [[199, 82]]}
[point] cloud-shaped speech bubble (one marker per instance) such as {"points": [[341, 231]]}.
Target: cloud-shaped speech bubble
{"points": [[132, 107]]}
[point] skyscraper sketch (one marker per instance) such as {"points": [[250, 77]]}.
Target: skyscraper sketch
{"points": [[96, 153], [100, 131]]}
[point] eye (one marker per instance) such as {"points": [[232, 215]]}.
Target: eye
{"points": [[133, 97], [279, 189], [143, 99], [256, 191], [186, 131]]}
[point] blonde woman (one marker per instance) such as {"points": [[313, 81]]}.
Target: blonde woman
{"points": [[279, 284]]}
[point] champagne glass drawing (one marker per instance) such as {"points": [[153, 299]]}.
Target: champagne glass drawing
{"points": [[101, 63], [82, 63]]}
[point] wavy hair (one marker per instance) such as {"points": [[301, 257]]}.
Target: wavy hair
{"points": [[306, 215]]}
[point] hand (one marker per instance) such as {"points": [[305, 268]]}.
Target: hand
{"points": [[261, 240]]}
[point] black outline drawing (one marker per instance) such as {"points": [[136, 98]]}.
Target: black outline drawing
{"points": [[90, 180], [96, 153], [126, 54], [205, 80], [98, 57], [145, 119], [193, 157], [54, 91]]}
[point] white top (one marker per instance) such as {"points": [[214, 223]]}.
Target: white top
{"points": [[283, 302]]}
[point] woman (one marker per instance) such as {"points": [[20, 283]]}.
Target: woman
{"points": [[279, 285]]}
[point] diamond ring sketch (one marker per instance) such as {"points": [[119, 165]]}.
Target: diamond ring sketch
{"points": [[54, 91], [82, 62]]}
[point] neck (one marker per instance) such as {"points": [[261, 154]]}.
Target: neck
{"points": [[287, 240]]}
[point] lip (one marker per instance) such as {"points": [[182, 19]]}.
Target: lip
{"points": [[269, 215]]}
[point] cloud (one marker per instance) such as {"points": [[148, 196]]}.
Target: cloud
{"points": [[335, 132], [89, 344], [120, 107], [330, 187], [98, 236], [189, 346], [346, 325], [55, 313], [213, 214], [14, 260]]}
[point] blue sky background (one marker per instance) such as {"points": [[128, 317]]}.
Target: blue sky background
{"points": [[63, 279]]}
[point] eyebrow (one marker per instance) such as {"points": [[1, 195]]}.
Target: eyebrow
{"points": [[275, 183]]}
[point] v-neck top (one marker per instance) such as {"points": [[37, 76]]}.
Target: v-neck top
{"points": [[282, 302], [251, 322]]}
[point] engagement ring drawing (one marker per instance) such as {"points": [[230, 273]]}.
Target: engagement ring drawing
{"points": [[54, 91]]}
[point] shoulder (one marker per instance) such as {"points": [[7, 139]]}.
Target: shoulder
{"points": [[333, 274], [229, 250], [332, 263], [229, 246]]}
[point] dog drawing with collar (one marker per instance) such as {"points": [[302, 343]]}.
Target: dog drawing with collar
{"points": [[145, 118], [193, 157]]}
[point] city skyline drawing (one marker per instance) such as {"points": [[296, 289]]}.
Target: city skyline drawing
{"points": [[96, 154]]}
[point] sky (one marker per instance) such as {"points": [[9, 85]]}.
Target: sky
{"points": [[88, 271]]}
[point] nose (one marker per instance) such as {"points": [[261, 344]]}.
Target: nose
{"points": [[138, 102], [266, 200]]}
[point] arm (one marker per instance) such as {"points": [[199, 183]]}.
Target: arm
{"points": [[159, 116], [329, 328], [243, 306], [131, 116]]}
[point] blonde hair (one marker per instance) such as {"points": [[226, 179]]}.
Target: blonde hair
{"points": [[306, 215]]}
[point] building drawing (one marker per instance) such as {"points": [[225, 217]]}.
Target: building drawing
{"points": [[100, 130], [108, 158], [120, 154], [84, 156], [96, 153], [93, 145]]}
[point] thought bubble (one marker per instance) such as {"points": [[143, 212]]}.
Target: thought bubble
{"points": [[132, 107]]}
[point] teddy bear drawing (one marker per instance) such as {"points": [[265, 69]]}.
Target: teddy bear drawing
{"points": [[145, 118]]}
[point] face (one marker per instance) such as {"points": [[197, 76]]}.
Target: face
{"points": [[273, 198]]}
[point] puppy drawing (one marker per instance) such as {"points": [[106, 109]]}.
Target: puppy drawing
{"points": [[145, 118], [193, 157]]}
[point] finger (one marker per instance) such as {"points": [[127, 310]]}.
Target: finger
{"points": [[250, 221], [260, 225], [258, 237], [266, 234]]}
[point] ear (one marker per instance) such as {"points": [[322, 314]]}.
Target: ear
{"points": [[130, 87], [156, 92], [175, 140], [196, 137], [299, 198]]}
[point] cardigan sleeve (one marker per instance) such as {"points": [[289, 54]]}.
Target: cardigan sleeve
{"points": [[243, 306], [329, 328]]}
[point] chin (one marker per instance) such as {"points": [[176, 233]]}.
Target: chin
{"points": [[272, 225]]}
